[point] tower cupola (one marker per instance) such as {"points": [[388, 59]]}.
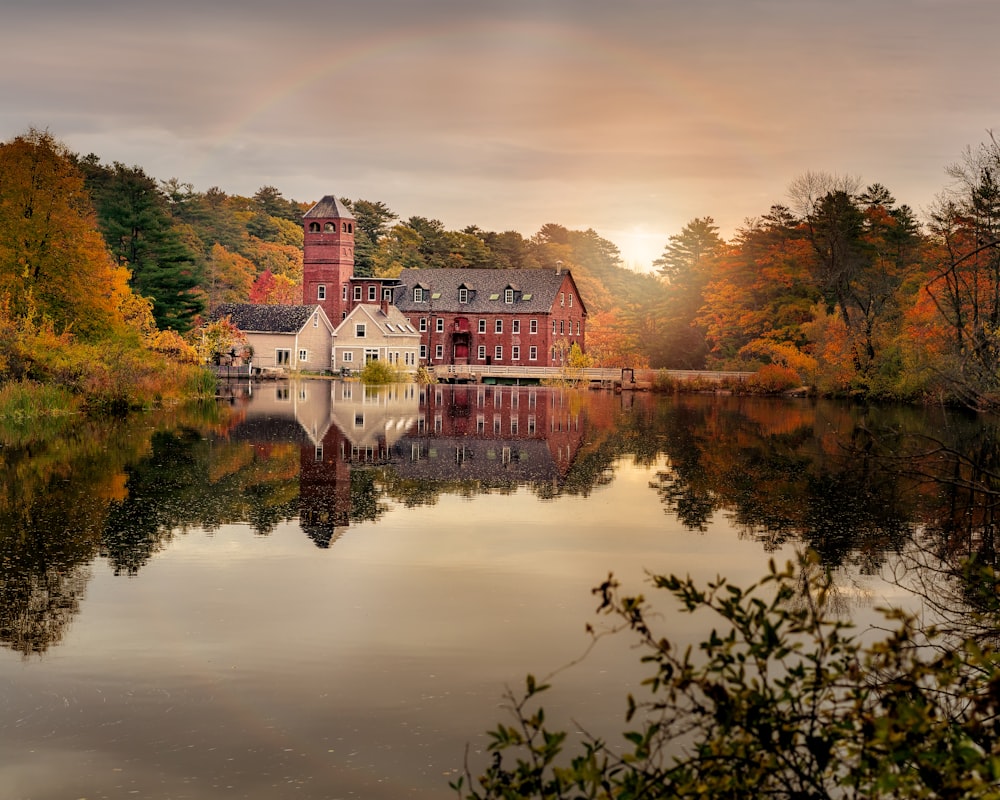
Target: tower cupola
{"points": [[328, 256]]}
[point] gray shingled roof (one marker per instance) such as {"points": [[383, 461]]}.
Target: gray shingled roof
{"points": [[535, 290], [253, 318], [329, 207]]}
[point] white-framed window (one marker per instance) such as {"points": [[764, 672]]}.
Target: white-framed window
{"points": [[515, 353], [387, 294], [439, 351], [562, 326], [482, 352], [321, 292], [423, 351], [315, 320], [357, 293], [360, 330], [303, 355], [282, 357], [372, 293], [562, 298], [578, 327], [498, 352], [418, 294], [439, 325], [532, 353], [508, 295], [347, 357], [463, 294], [554, 326], [423, 324], [515, 326], [533, 326], [513, 425], [570, 299], [371, 354], [482, 326], [344, 293], [498, 326]]}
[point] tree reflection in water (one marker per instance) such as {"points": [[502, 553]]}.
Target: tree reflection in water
{"points": [[852, 483]]}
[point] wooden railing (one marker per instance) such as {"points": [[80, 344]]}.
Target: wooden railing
{"points": [[591, 374]]}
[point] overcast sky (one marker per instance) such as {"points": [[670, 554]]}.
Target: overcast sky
{"points": [[631, 117]]}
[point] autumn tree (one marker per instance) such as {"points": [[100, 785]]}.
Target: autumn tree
{"points": [[53, 261], [964, 279]]}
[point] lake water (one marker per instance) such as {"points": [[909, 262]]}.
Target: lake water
{"points": [[312, 590]]}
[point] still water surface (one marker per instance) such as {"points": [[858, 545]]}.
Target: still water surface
{"points": [[311, 590]]}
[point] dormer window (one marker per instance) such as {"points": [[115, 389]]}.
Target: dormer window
{"points": [[418, 294], [508, 295], [463, 295]]}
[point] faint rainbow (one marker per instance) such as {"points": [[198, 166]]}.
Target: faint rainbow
{"points": [[661, 77]]}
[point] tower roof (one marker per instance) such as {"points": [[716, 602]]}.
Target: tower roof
{"points": [[329, 208]]}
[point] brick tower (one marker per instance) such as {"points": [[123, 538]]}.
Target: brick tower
{"points": [[328, 257]]}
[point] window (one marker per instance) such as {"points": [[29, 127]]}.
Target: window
{"points": [[347, 357], [578, 327], [372, 294], [498, 327], [282, 357], [532, 353], [533, 326], [423, 324], [345, 291], [498, 352], [482, 326], [387, 294], [515, 353], [314, 227], [359, 330], [315, 320], [463, 295], [570, 299], [508, 295], [439, 325], [562, 298], [418, 294], [554, 326], [423, 351], [330, 226], [371, 354], [357, 293], [515, 326], [321, 292], [439, 351], [482, 352], [562, 326], [303, 355]]}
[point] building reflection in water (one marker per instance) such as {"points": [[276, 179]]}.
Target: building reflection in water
{"points": [[497, 436]]}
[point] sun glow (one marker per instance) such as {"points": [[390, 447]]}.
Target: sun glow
{"points": [[639, 246]]}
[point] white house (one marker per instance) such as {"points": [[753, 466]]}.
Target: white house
{"points": [[376, 333], [286, 337]]}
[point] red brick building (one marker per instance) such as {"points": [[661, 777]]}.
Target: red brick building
{"points": [[528, 317]]}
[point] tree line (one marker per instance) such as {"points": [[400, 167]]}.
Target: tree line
{"points": [[841, 288]]}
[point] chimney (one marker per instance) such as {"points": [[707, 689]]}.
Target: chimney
{"points": [[384, 305]]}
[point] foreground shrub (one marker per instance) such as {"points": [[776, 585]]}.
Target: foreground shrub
{"points": [[782, 699], [380, 372], [773, 379]]}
